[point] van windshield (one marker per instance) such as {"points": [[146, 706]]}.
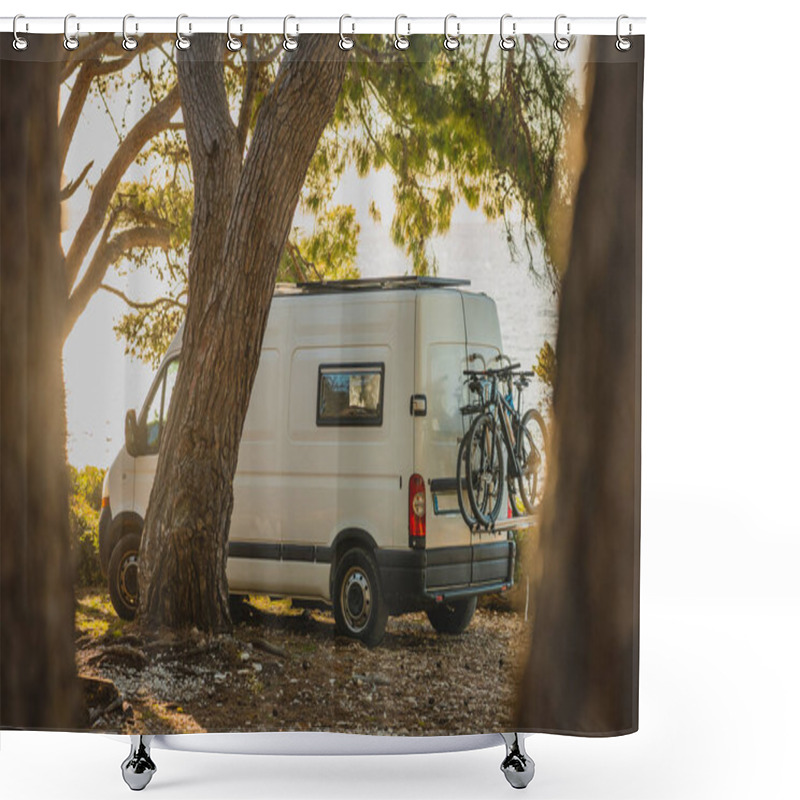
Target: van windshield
{"points": [[155, 414]]}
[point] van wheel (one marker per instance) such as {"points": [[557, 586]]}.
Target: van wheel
{"points": [[358, 606], [454, 617], [123, 576], [236, 605]]}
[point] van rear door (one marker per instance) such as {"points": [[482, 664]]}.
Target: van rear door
{"points": [[451, 326]]}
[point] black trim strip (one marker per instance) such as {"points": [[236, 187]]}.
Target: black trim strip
{"points": [[265, 550], [449, 555], [272, 551]]}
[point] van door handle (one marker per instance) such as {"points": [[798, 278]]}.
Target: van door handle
{"points": [[419, 405]]}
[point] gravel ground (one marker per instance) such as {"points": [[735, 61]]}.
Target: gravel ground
{"points": [[283, 669]]}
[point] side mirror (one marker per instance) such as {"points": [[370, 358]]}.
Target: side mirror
{"points": [[131, 433]]}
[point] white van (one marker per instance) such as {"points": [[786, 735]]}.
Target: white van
{"points": [[345, 489]]}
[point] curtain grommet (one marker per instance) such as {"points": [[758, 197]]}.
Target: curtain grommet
{"points": [[508, 42], [623, 44], [401, 42], [561, 43], [451, 42], [181, 41], [233, 44], [19, 42], [345, 42], [70, 40], [289, 42], [129, 43]]}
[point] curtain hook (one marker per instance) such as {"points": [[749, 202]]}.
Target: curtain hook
{"points": [[623, 43], [19, 43], [561, 43], [234, 44], [289, 42], [451, 42], [70, 42], [508, 42], [345, 42], [181, 42], [128, 42], [401, 42]]}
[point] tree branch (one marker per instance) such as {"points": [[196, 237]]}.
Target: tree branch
{"points": [[142, 306], [72, 186], [110, 251], [153, 122], [72, 110], [248, 95]]}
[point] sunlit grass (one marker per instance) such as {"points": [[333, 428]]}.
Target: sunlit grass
{"points": [[95, 616]]}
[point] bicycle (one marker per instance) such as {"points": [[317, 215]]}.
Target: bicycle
{"points": [[482, 466]]}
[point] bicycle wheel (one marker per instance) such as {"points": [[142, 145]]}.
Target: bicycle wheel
{"points": [[533, 460], [464, 505], [485, 470]]}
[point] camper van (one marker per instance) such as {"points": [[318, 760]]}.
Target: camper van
{"points": [[345, 488]]}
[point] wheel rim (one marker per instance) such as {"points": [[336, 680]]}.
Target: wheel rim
{"points": [[128, 578], [356, 599], [530, 463], [485, 471], [536, 437]]}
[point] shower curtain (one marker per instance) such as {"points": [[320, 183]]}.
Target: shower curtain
{"points": [[189, 535]]}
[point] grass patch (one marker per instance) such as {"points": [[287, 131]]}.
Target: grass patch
{"points": [[95, 616]]}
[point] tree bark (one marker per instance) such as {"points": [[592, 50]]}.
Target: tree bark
{"points": [[582, 671], [242, 216], [38, 686]]}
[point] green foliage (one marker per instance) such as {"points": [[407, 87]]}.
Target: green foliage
{"points": [[84, 514], [545, 366], [478, 125]]}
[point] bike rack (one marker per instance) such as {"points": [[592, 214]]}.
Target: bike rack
{"points": [[512, 524]]}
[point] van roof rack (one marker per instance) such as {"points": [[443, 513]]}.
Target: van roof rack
{"points": [[367, 284]]}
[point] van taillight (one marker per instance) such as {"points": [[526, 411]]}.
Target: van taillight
{"points": [[416, 511]]}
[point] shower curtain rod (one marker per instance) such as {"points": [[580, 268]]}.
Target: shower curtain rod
{"points": [[136, 26]]}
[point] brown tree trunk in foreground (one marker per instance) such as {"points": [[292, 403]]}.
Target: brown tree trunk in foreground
{"points": [[241, 221], [582, 672], [38, 686]]}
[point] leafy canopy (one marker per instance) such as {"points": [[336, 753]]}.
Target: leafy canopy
{"points": [[478, 125]]}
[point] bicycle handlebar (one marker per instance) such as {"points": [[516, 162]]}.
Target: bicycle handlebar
{"points": [[500, 371]]}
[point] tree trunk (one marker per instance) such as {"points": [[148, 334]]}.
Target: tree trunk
{"points": [[38, 686], [582, 672], [241, 221]]}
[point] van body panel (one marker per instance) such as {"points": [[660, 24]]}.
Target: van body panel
{"points": [[331, 439]]}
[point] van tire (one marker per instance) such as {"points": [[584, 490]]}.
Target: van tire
{"points": [[358, 606], [452, 618], [123, 584]]}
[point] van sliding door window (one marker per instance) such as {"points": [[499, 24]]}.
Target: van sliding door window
{"points": [[350, 394], [159, 406]]}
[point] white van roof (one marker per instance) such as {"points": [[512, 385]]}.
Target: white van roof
{"points": [[370, 284]]}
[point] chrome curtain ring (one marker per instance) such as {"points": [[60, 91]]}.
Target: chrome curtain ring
{"points": [[507, 42], [345, 42], [401, 42], [451, 42], [234, 44], [561, 43], [70, 41], [623, 43], [128, 42], [181, 42], [19, 43], [289, 42]]}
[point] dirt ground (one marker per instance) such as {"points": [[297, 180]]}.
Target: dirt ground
{"points": [[282, 668]]}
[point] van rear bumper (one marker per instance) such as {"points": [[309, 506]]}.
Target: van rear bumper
{"points": [[413, 580]]}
